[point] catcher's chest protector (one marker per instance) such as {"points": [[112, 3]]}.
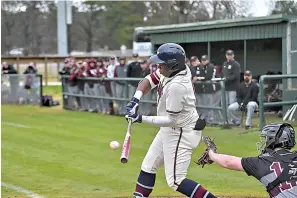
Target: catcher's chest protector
{"points": [[279, 174]]}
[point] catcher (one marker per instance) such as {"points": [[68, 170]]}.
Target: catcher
{"points": [[275, 167]]}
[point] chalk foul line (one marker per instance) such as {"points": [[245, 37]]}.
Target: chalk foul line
{"points": [[22, 190], [16, 125]]}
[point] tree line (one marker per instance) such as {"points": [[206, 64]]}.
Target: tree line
{"points": [[32, 25]]}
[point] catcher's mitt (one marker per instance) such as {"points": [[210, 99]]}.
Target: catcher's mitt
{"points": [[204, 159]]}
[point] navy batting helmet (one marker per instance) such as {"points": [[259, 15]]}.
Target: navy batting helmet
{"points": [[172, 55]]}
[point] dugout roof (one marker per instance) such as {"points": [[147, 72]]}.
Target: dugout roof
{"points": [[221, 30]]}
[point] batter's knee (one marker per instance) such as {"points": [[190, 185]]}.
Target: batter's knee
{"points": [[148, 168], [174, 182]]}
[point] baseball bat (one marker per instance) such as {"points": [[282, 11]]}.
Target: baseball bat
{"points": [[126, 144]]}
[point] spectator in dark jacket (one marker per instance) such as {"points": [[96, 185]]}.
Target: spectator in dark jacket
{"points": [[145, 108], [8, 69], [133, 71], [247, 100], [13, 81], [120, 71], [231, 72]]}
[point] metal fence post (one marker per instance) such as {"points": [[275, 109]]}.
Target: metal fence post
{"points": [[41, 90], [261, 102], [224, 103], [63, 90]]}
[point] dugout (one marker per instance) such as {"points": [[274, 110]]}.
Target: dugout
{"points": [[261, 44]]}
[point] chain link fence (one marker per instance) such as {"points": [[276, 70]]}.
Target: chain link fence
{"points": [[110, 96], [21, 89]]}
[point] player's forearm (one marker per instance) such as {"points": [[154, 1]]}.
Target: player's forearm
{"points": [[144, 87], [161, 121], [226, 161]]}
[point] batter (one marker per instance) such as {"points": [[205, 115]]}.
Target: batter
{"points": [[180, 127]]}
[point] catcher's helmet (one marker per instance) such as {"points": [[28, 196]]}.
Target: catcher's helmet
{"points": [[277, 135], [172, 55]]}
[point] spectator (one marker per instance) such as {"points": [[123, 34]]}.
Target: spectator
{"points": [[81, 73], [101, 73], [209, 96], [194, 63], [28, 92], [134, 58], [145, 108], [231, 72], [90, 88], [106, 62], [74, 101], [133, 71], [8, 69], [13, 81], [120, 86], [31, 69], [198, 74], [110, 74], [247, 100]]}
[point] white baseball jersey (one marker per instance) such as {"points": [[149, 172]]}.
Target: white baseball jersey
{"points": [[176, 97]]}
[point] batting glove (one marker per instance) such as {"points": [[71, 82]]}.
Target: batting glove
{"points": [[134, 118], [132, 106]]}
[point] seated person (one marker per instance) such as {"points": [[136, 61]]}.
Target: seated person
{"points": [[247, 100]]}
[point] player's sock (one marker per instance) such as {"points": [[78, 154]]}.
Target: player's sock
{"points": [[145, 184], [193, 189]]}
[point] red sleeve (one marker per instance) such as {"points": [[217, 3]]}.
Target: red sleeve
{"points": [[155, 78]]}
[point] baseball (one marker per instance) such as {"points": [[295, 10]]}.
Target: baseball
{"points": [[114, 145]]}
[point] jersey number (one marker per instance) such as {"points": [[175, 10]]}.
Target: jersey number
{"points": [[276, 167]]}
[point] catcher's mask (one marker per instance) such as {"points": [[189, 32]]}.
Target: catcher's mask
{"points": [[276, 135]]}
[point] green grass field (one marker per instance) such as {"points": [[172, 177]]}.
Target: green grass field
{"points": [[58, 153]]}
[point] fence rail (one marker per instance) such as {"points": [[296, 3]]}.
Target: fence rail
{"points": [[21, 89], [287, 86], [123, 93]]}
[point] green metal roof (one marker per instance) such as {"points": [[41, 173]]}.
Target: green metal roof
{"points": [[217, 24]]}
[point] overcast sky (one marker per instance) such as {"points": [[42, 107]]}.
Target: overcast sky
{"points": [[260, 7]]}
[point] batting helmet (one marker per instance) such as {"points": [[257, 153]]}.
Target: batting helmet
{"points": [[277, 135], [172, 55]]}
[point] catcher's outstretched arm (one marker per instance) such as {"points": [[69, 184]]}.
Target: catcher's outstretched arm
{"points": [[226, 161]]}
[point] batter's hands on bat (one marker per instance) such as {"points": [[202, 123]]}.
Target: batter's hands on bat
{"points": [[134, 118], [132, 106], [205, 159]]}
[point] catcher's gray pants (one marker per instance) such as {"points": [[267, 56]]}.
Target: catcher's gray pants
{"points": [[251, 107], [172, 148], [121, 92], [72, 99], [91, 101], [230, 97]]}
